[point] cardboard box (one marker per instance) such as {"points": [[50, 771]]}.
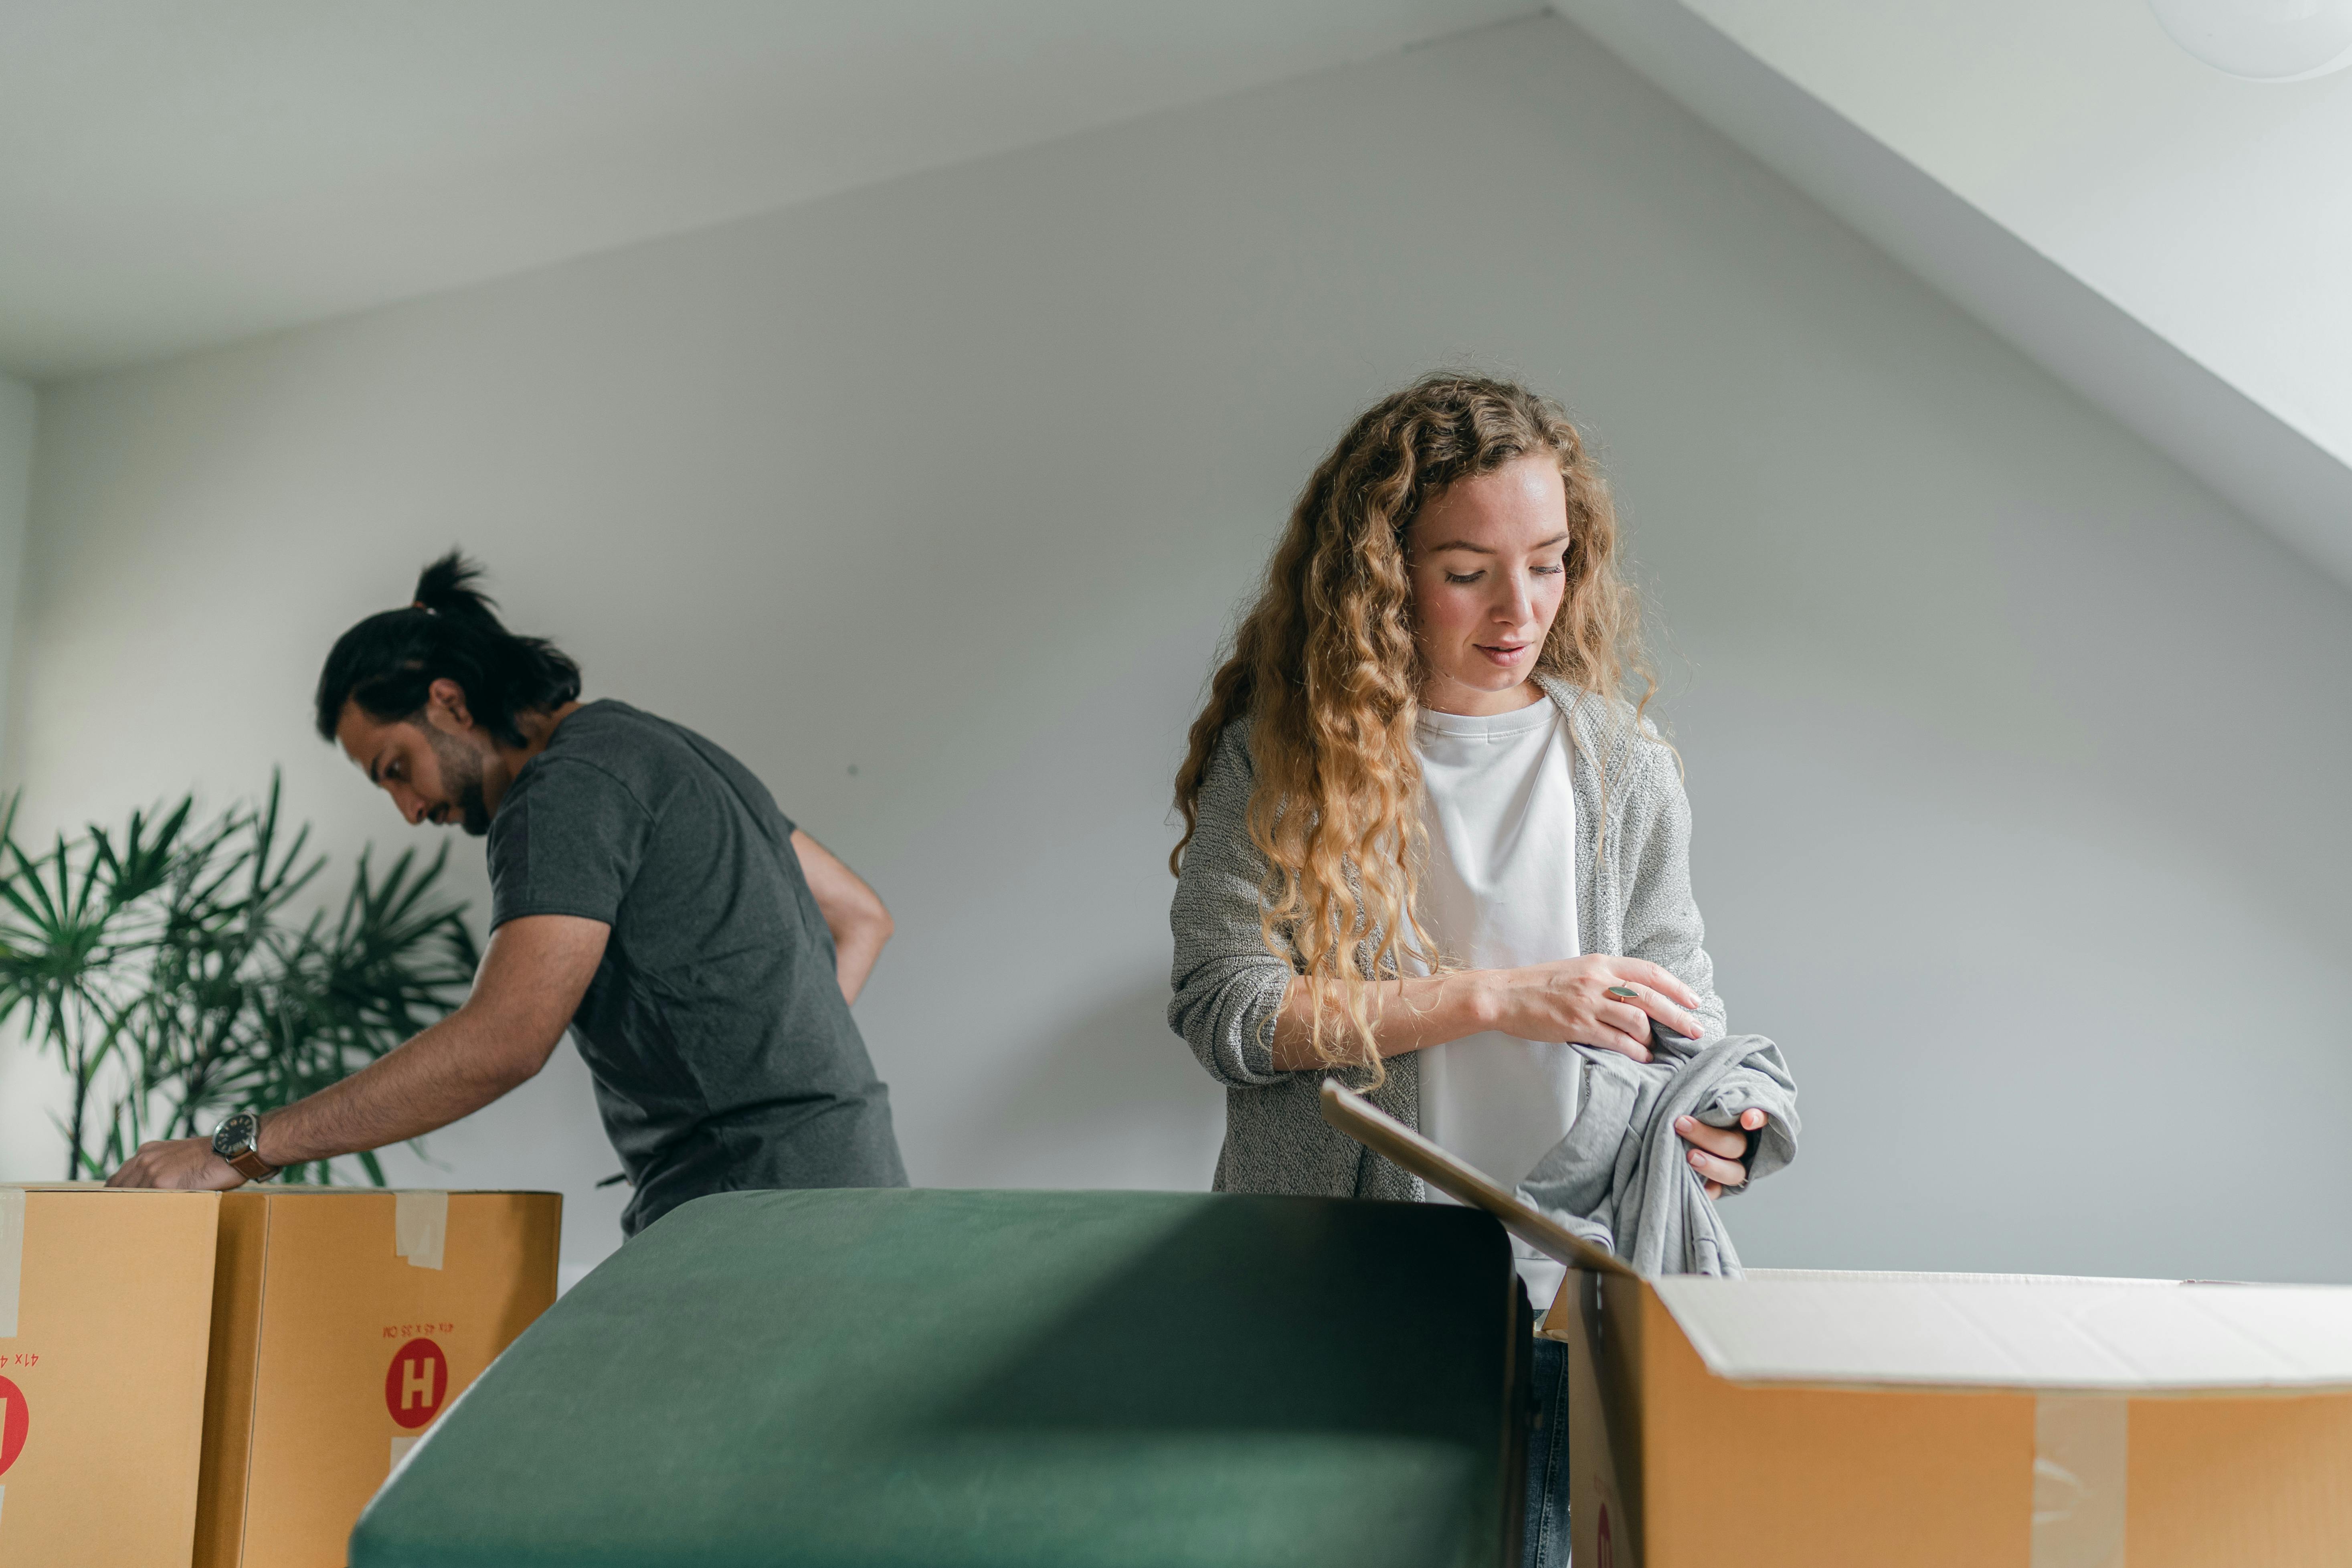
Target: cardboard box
{"points": [[105, 1298], [1824, 1419], [344, 1322]]}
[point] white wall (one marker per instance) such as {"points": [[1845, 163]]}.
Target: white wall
{"points": [[2017, 758], [24, 1132], [17, 408]]}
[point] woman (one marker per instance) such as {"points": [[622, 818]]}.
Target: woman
{"points": [[1428, 837]]}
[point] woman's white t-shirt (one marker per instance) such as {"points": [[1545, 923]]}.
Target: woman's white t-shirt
{"points": [[1500, 892]]}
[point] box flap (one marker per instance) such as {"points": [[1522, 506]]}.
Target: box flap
{"points": [[286, 1189], [303, 1190], [1385, 1135], [1881, 1276], [2111, 1336]]}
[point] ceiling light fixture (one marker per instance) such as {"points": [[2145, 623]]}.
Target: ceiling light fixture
{"points": [[2261, 40]]}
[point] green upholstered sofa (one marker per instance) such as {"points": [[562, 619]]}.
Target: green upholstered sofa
{"points": [[1023, 1379]]}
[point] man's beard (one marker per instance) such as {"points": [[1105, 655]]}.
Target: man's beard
{"points": [[461, 778]]}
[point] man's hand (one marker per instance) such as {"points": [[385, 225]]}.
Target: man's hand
{"points": [[186, 1164], [1715, 1152]]}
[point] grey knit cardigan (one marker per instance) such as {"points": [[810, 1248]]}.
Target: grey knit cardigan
{"points": [[1633, 898]]}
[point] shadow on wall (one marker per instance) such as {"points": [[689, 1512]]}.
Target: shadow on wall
{"points": [[1112, 1100]]}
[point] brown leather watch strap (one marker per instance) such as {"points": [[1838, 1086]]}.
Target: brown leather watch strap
{"points": [[247, 1162]]}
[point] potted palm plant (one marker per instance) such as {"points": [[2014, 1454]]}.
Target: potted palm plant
{"points": [[165, 967]]}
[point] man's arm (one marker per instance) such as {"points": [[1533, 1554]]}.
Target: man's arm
{"points": [[853, 912], [530, 982]]}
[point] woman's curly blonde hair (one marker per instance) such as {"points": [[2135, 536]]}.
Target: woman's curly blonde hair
{"points": [[1327, 672]]}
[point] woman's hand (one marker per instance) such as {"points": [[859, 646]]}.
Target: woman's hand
{"points": [[1597, 1000], [1715, 1152]]}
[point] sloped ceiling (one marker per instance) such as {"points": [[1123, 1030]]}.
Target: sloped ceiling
{"points": [[2171, 242], [178, 175]]}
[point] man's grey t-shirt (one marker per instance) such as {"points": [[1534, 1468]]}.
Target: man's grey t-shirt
{"points": [[723, 1053]]}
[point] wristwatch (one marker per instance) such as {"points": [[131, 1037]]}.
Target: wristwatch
{"points": [[237, 1142]]}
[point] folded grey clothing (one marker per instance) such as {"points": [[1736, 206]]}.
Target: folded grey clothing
{"points": [[1620, 1178]]}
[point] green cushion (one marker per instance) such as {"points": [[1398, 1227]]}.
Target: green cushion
{"points": [[1027, 1379]]}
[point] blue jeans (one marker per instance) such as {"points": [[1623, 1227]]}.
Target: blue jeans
{"points": [[1545, 1541]]}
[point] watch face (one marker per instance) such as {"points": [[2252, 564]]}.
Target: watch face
{"points": [[236, 1135]]}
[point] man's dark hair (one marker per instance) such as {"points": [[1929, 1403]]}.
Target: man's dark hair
{"points": [[388, 663]]}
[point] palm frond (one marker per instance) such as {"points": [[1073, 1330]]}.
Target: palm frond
{"points": [[163, 966]]}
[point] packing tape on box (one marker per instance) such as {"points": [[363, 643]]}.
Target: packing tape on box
{"points": [[12, 1256], [2082, 1455], [420, 1226]]}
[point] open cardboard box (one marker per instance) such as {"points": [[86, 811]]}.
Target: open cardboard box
{"points": [[1819, 1419]]}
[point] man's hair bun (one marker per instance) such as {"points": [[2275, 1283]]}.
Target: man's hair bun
{"points": [[448, 631]]}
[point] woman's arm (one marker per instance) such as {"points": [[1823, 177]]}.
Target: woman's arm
{"points": [[1568, 999], [1411, 1015], [1663, 924], [1249, 1019], [1227, 988], [1662, 920]]}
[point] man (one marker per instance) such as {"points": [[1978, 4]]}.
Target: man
{"points": [[644, 891]]}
